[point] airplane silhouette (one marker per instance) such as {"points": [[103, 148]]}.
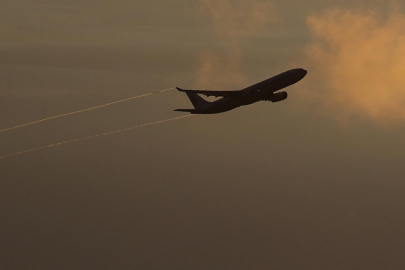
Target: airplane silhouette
{"points": [[262, 91]]}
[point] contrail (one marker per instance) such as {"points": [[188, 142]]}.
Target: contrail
{"points": [[84, 110], [94, 136]]}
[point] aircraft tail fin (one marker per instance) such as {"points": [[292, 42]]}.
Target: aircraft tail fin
{"points": [[198, 102]]}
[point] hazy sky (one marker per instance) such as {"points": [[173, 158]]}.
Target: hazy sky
{"points": [[314, 182]]}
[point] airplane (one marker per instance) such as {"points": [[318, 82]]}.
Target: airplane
{"points": [[231, 99]]}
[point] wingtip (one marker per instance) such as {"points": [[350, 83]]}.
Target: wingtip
{"points": [[180, 89]]}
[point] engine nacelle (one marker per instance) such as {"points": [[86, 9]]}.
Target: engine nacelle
{"points": [[277, 97]]}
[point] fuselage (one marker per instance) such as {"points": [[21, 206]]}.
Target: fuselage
{"points": [[258, 92]]}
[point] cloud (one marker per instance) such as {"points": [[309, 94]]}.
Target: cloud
{"points": [[234, 23], [234, 20], [220, 71], [358, 60]]}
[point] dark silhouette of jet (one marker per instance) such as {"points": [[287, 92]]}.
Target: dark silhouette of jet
{"points": [[263, 91]]}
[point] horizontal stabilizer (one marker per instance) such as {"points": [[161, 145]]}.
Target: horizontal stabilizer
{"points": [[186, 110]]}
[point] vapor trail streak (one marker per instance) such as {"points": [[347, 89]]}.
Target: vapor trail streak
{"points": [[94, 136], [84, 110]]}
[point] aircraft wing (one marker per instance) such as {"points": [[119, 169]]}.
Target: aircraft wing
{"points": [[223, 93]]}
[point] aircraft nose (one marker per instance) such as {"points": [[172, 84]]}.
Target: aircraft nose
{"points": [[300, 73], [303, 72]]}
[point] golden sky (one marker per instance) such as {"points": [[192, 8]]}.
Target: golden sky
{"points": [[314, 182]]}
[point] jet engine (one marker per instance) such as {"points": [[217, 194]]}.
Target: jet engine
{"points": [[277, 97]]}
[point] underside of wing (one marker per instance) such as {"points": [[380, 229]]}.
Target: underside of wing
{"points": [[213, 93]]}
